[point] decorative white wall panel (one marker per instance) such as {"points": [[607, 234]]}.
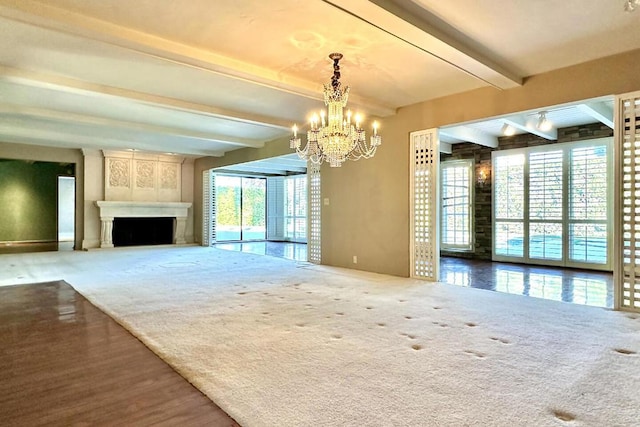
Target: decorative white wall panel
{"points": [[136, 176], [145, 174], [118, 171], [424, 173], [169, 173], [314, 243], [627, 203]]}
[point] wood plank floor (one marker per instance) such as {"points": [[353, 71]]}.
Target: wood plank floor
{"points": [[64, 362]]}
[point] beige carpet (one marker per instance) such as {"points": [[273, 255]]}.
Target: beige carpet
{"points": [[277, 344]]}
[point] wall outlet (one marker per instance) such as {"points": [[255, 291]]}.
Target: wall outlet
{"points": [[355, 259], [326, 201]]}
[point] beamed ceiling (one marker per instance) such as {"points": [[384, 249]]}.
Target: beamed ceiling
{"points": [[202, 78]]}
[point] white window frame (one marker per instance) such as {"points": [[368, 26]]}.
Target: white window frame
{"points": [[469, 164], [295, 217], [566, 261]]}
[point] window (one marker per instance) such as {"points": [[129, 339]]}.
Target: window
{"points": [[295, 196], [508, 205], [552, 204], [456, 222], [588, 205]]}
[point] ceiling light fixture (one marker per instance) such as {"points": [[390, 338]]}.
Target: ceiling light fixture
{"points": [[508, 130], [631, 5], [337, 139], [543, 123]]}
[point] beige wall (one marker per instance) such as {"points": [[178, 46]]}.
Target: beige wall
{"points": [[368, 211], [93, 191], [50, 154]]}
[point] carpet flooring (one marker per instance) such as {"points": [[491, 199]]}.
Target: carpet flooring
{"points": [[273, 342]]}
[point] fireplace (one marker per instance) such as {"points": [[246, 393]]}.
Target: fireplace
{"points": [[142, 223], [142, 231]]}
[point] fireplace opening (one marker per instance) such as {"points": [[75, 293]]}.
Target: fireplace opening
{"points": [[142, 231]]}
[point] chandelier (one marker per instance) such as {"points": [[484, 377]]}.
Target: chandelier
{"points": [[336, 139]]}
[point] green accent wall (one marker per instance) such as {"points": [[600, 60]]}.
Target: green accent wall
{"points": [[28, 199]]}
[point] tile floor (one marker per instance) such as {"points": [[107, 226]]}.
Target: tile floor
{"points": [[555, 283], [289, 250]]}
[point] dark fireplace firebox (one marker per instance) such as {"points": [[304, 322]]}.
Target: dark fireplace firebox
{"points": [[142, 231]]}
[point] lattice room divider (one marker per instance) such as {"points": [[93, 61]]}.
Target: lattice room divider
{"points": [[424, 177], [208, 208], [275, 208], [627, 202], [314, 243]]}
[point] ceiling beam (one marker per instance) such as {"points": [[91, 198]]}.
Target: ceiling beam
{"points": [[34, 136], [65, 84], [520, 122], [409, 22], [73, 118], [68, 22], [600, 111], [266, 169], [445, 148], [465, 133]]}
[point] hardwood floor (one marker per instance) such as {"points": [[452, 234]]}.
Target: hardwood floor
{"points": [[64, 362]]}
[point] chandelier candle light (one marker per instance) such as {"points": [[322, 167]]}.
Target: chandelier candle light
{"points": [[335, 139]]}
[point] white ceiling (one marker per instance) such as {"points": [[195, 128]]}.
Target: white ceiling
{"points": [[204, 78]]}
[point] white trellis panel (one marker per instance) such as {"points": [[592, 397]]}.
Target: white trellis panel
{"points": [[314, 243], [275, 208], [627, 202], [424, 235], [208, 208]]}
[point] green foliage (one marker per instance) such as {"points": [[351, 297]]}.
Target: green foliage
{"points": [[228, 205], [253, 202]]}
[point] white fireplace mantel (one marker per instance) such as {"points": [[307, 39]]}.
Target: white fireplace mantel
{"points": [[111, 209]]}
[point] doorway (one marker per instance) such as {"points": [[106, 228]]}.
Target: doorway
{"points": [[66, 212], [240, 208]]}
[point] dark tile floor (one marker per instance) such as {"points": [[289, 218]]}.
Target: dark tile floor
{"points": [[555, 283], [289, 250]]}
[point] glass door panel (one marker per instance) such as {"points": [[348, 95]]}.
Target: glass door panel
{"points": [[296, 208], [254, 196], [228, 215], [588, 203]]}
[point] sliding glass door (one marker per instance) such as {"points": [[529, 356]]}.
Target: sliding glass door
{"points": [[552, 205], [295, 191], [240, 205]]}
